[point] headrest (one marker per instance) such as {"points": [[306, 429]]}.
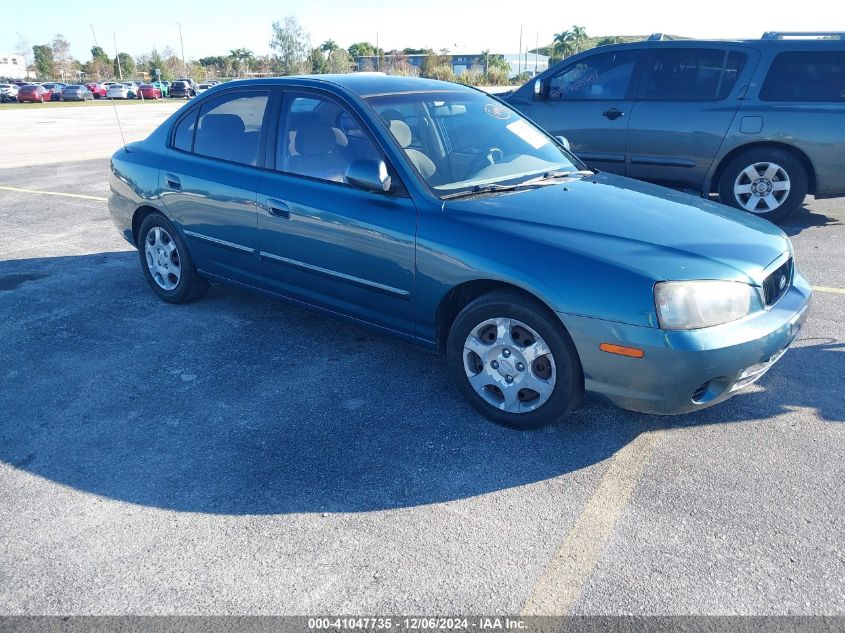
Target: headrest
{"points": [[402, 132], [314, 137], [222, 124]]}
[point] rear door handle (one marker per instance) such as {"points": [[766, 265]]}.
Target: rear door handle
{"points": [[278, 208], [613, 113], [173, 181]]}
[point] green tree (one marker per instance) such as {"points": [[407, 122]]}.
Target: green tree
{"points": [[44, 64], [438, 65], [97, 53], [124, 66], [579, 36], [362, 49], [338, 62], [329, 46], [562, 45], [241, 60], [156, 62], [290, 46], [318, 62]]}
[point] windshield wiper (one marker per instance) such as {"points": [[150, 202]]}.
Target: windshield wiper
{"points": [[530, 184], [565, 174], [481, 189]]}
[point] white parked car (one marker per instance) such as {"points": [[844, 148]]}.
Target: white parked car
{"points": [[204, 87], [8, 92], [119, 91]]}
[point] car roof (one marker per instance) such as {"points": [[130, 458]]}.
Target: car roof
{"points": [[362, 84], [763, 43]]}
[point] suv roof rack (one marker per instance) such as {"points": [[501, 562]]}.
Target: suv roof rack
{"points": [[781, 35]]}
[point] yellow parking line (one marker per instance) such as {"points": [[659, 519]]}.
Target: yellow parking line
{"points": [[573, 563], [53, 193], [838, 291]]}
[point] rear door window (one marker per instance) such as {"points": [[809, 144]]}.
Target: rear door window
{"points": [[692, 74], [815, 76], [598, 77], [229, 127]]}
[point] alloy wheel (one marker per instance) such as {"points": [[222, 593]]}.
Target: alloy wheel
{"points": [[762, 187]]}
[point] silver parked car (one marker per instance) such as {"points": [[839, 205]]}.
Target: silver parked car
{"points": [[77, 92], [760, 122]]}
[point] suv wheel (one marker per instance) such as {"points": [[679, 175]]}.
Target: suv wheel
{"points": [[166, 262], [513, 361], [771, 183]]}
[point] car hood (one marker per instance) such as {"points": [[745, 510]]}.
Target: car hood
{"points": [[653, 231]]}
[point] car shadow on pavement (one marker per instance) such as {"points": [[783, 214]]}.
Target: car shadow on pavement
{"points": [[805, 219], [237, 404]]}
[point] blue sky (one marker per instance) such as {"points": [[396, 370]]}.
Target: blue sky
{"points": [[212, 27]]}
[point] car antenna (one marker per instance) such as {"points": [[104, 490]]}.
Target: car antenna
{"points": [[119, 126]]}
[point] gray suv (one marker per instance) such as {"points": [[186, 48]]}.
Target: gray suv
{"points": [[759, 122]]}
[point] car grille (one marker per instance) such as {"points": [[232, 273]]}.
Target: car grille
{"points": [[777, 284]]}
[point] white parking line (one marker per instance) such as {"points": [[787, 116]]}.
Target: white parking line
{"points": [[573, 563], [838, 291], [52, 193]]}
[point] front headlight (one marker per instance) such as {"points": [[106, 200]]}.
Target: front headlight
{"points": [[688, 305]]}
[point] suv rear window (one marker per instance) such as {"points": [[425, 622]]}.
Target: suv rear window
{"points": [[806, 76], [693, 74]]}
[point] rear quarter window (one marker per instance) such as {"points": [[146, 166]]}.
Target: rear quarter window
{"points": [[815, 76], [183, 135]]}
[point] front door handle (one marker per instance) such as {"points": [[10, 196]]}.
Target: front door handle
{"points": [[278, 208], [613, 113], [173, 181]]}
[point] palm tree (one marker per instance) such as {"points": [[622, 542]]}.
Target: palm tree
{"points": [[562, 44], [579, 34]]}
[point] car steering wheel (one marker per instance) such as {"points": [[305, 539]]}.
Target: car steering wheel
{"points": [[482, 161]]}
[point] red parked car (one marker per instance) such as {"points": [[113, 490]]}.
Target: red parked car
{"points": [[98, 90], [34, 93], [148, 91]]}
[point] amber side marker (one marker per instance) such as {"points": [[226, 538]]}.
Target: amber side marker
{"points": [[633, 352]]}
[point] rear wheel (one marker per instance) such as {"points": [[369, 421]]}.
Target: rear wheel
{"points": [[768, 182], [514, 361], [166, 262]]}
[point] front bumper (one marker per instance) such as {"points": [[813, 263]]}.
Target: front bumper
{"points": [[683, 371]]}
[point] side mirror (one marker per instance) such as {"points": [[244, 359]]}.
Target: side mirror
{"points": [[539, 89], [565, 142], [370, 175]]}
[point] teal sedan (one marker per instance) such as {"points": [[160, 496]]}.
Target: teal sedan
{"points": [[435, 213]]}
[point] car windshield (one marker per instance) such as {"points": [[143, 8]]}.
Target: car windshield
{"points": [[461, 140]]}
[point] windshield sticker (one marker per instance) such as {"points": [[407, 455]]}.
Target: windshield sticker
{"points": [[528, 134], [497, 111]]}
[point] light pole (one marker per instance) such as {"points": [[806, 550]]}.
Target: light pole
{"points": [[182, 45]]}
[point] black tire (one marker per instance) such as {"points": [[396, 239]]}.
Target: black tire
{"points": [[191, 285], [568, 388], [790, 164]]}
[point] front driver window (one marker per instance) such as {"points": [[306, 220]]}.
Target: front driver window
{"points": [[598, 77]]}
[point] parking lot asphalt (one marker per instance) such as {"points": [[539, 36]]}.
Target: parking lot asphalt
{"points": [[237, 455]]}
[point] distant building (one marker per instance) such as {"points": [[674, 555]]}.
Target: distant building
{"points": [[12, 66], [460, 62]]}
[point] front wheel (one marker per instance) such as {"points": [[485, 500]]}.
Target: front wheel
{"points": [[514, 361], [771, 183], [166, 262]]}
